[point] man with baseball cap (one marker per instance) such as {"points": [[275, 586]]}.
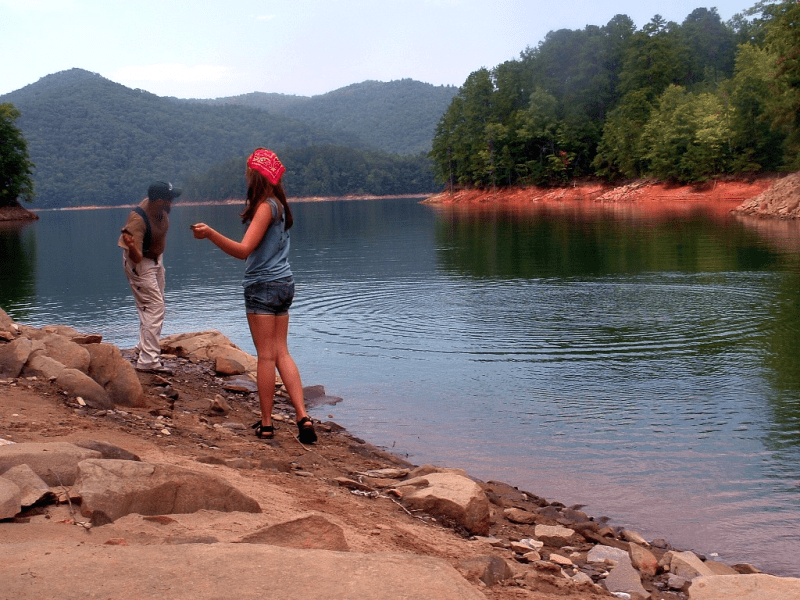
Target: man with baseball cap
{"points": [[143, 240]]}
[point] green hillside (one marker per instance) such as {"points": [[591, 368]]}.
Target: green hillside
{"points": [[96, 142], [397, 116]]}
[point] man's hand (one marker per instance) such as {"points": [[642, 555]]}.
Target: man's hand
{"points": [[133, 252]]}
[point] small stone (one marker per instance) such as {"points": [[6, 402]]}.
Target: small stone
{"points": [[519, 516], [632, 536], [218, 405], [561, 560], [675, 582], [531, 557]]}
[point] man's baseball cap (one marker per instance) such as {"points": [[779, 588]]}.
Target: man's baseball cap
{"points": [[162, 190]]}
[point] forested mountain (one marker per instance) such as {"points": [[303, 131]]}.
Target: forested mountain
{"points": [[95, 142], [396, 116], [682, 102]]}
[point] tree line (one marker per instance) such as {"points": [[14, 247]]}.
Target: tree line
{"points": [[325, 170], [680, 102]]}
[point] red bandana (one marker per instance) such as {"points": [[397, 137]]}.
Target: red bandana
{"points": [[266, 162]]}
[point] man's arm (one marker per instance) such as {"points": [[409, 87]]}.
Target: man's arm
{"points": [[134, 253]]}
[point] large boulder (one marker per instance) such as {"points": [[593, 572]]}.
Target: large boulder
{"points": [[78, 383], [10, 498], [449, 495], [43, 367], [32, 486], [64, 350], [55, 462], [115, 374], [114, 488], [7, 326], [14, 355]]}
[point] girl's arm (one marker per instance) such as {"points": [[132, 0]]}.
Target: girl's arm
{"points": [[241, 250]]}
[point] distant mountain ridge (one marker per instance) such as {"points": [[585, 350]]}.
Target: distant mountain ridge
{"points": [[96, 142], [363, 109]]}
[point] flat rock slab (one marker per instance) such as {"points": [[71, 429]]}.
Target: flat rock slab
{"points": [[213, 571], [55, 462]]}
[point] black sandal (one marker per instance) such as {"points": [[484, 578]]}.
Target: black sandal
{"points": [[264, 432], [306, 433]]}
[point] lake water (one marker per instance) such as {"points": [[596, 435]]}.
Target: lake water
{"points": [[643, 361]]}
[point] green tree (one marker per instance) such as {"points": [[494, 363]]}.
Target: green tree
{"points": [[537, 130], [688, 136], [619, 154], [711, 46], [16, 168], [783, 41], [654, 59], [756, 145]]}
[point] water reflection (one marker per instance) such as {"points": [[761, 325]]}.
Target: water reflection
{"points": [[575, 239], [17, 263]]}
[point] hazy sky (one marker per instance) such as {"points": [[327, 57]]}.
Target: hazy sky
{"points": [[208, 49]]}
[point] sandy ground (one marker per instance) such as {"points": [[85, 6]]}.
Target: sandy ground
{"points": [[286, 478]]}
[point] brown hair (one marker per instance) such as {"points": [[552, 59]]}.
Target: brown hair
{"points": [[258, 190]]}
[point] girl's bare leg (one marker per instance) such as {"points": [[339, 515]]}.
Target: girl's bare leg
{"points": [[269, 334]]}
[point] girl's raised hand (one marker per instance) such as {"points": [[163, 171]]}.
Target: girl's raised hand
{"points": [[200, 230]]}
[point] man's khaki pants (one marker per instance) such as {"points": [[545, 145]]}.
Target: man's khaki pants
{"points": [[147, 284]]}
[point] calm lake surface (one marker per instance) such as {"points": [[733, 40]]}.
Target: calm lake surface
{"points": [[642, 362]]}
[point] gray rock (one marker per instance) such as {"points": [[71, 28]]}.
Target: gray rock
{"points": [[675, 582], [624, 578], [686, 565], [116, 488], [606, 555], [10, 498], [306, 533], [449, 495], [14, 355], [745, 587], [77, 383], [632, 536], [55, 462], [32, 486]]}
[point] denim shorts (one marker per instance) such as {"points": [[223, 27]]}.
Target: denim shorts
{"points": [[269, 297]]}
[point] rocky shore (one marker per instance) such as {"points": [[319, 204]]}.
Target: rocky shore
{"points": [[115, 483], [768, 196]]}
